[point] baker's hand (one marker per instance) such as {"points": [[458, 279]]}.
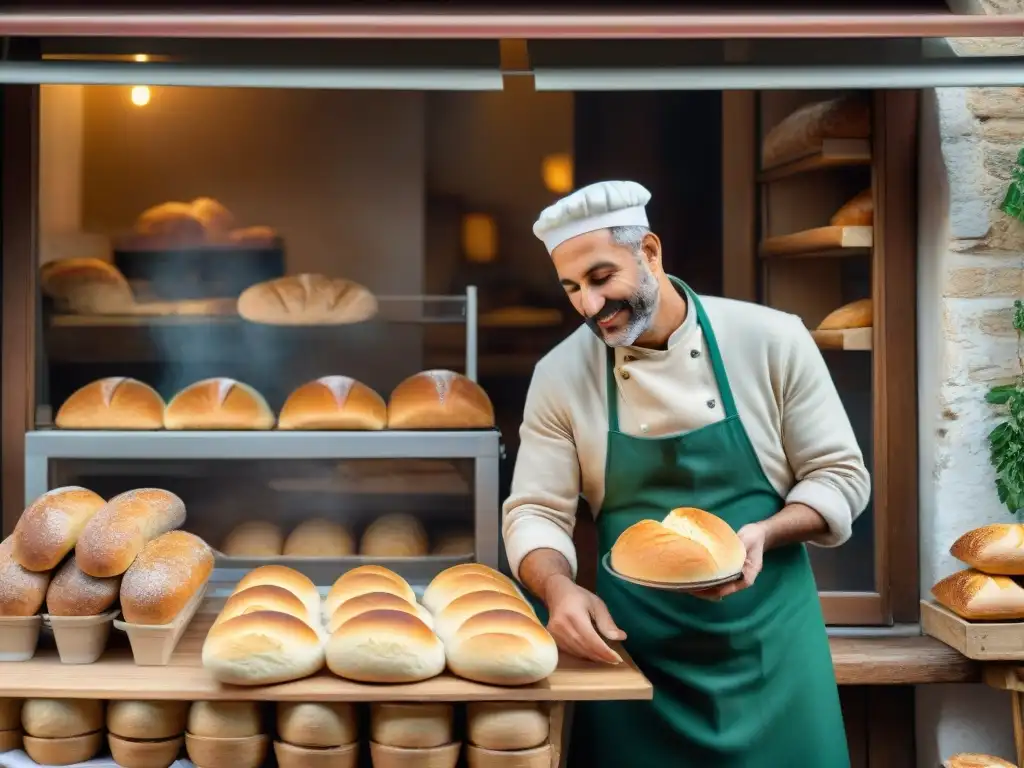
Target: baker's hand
{"points": [[752, 537], [580, 622]]}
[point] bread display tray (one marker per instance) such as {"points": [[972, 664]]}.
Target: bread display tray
{"points": [[153, 644], [19, 636], [689, 586], [80, 639], [980, 641]]}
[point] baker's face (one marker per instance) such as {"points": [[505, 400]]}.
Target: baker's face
{"points": [[613, 288]]}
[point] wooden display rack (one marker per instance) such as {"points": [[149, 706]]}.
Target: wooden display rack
{"points": [[981, 641]]}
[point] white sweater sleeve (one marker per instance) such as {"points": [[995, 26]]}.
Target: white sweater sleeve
{"points": [[540, 512], [819, 441]]}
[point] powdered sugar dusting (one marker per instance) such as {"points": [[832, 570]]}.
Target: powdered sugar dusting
{"points": [[164, 567], [46, 524], [126, 523], [339, 386], [21, 591], [443, 381], [108, 387], [74, 593]]}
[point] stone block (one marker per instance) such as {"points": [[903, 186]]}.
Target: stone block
{"points": [[996, 102], [987, 282], [998, 160], [998, 322], [988, 7], [1003, 130]]}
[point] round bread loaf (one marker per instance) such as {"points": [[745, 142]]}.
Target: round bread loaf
{"points": [[10, 714], [690, 545], [859, 211], [376, 601], [21, 591], [61, 718], [51, 525], [856, 314], [287, 578], [171, 224], [502, 648], [254, 237], [148, 720], [996, 549], [506, 725], [319, 538], [348, 587], [116, 534], [333, 402], [307, 300], [261, 648], [978, 596], [73, 593], [385, 647], [453, 615], [165, 576], [411, 725], [263, 598], [254, 538], [116, 402], [439, 400], [442, 591], [316, 724], [218, 404], [395, 535], [217, 220], [454, 544], [224, 719], [377, 570], [86, 286]]}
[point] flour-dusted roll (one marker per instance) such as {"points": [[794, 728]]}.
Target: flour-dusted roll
{"points": [[689, 545], [263, 598], [74, 593], [254, 538], [287, 578], [978, 596], [859, 211], [453, 615], [116, 534], [375, 601], [51, 526], [224, 719], [996, 549], [408, 725], [507, 725], [219, 403], [262, 648], [317, 724], [116, 402], [439, 399], [21, 591], [61, 718], [147, 720], [974, 760], [348, 587], [385, 647], [86, 286], [856, 314], [394, 535], [319, 538], [165, 577], [462, 579], [307, 299], [333, 402], [502, 648]]}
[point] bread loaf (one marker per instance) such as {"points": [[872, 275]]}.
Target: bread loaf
{"points": [[286, 578], [317, 724], [147, 720], [453, 615], [859, 211], [224, 719], [995, 549], [351, 585], [61, 718], [968, 760], [978, 596], [112, 403], [803, 131], [253, 237], [385, 647], [506, 725], [262, 648], [216, 219], [462, 579], [307, 300], [319, 538], [439, 400], [254, 538], [375, 601], [412, 725], [263, 598], [394, 535], [10, 714], [502, 648], [168, 226], [21, 591], [52, 525], [86, 286], [116, 534], [689, 545], [73, 593], [165, 577], [454, 544], [333, 402], [856, 314], [218, 404]]}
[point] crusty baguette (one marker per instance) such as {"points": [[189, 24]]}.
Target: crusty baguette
{"points": [[164, 577], [21, 591], [856, 314], [117, 533], [977, 596], [307, 300], [996, 549], [73, 593], [52, 525]]}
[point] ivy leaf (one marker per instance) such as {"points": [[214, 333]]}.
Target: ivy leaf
{"points": [[1000, 395]]}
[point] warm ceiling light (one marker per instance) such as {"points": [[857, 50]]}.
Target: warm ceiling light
{"points": [[479, 238], [141, 57], [140, 95], [556, 170]]}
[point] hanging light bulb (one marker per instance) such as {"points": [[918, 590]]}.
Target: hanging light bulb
{"points": [[140, 95]]}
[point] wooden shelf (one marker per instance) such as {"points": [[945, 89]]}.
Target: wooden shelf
{"points": [[850, 340], [834, 153], [821, 241], [981, 641]]}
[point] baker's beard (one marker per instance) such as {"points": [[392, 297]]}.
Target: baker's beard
{"points": [[640, 309]]}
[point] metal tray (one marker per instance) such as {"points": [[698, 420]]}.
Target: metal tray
{"points": [[690, 586]]}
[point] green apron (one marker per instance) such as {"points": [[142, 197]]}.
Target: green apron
{"points": [[745, 682]]}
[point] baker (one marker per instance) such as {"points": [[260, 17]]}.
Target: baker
{"points": [[664, 399]]}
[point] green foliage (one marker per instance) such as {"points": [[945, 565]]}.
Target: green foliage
{"points": [[1006, 441]]}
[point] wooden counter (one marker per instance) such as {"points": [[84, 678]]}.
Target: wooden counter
{"points": [[900, 661]]}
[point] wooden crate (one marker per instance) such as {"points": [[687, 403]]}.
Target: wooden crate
{"points": [[981, 641]]}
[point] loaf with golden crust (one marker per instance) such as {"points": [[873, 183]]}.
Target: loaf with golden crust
{"points": [[996, 549], [502, 647], [220, 403], [74, 593], [317, 724], [165, 576], [802, 132], [116, 402], [377, 601], [307, 300], [394, 535], [856, 314], [287, 578], [439, 399], [86, 286], [351, 585], [147, 720], [977, 596], [254, 538], [385, 646], [319, 538], [463, 579], [858, 211], [264, 597], [460, 610], [21, 591], [973, 760], [51, 526], [333, 402], [262, 648]]}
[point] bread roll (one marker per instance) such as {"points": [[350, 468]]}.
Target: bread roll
{"points": [[262, 648], [506, 725], [165, 577], [376, 601], [319, 538], [168, 226], [112, 403], [502, 648], [86, 286], [218, 404], [51, 526], [288, 578], [967, 760], [148, 720], [856, 314], [224, 719], [385, 647], [395, 535], [254, 538], [216, 219], [376, 570], [802, 132], [307, 300], [859, 211], [309, 724], [995, 549], [73, 593], [689, 545], [459, 610], [253, 237], [348, 587], [21, 591], [61, 718], [439, 400], [116, 534], [977, 596], [333, 402], [10, 714], [454, 544], [413, 725], [462, 579], [263, 598]]}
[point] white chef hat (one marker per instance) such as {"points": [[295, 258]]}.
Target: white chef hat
{"points": [[596, 206]]}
